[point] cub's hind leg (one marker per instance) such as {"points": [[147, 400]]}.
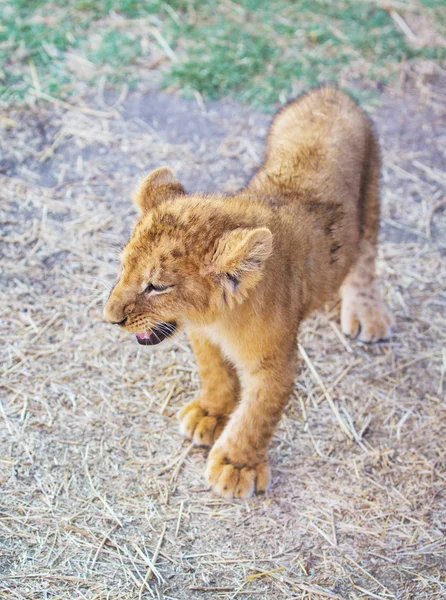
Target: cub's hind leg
{"points": [[204, 418], [363, 312]]}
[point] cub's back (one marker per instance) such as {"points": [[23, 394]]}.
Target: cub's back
{"points": [[318, 150], [317, 145]]}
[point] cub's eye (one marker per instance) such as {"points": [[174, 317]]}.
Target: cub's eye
{"points": [[151, 288]]}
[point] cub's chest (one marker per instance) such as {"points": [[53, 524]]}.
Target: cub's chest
{"points": [[222, 337]]}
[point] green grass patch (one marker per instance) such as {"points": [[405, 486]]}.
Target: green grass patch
{"points": [[260, 52]]}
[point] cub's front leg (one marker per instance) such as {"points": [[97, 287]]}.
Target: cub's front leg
{"points": [[204, 418], [238, 463]]}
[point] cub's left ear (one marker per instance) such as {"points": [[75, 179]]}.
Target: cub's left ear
{"points": [[240, 256], [157, 187]]}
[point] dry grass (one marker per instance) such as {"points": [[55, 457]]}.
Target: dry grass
{"points": [[100, 497]]}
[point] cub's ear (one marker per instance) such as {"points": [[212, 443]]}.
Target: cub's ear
{"points": [[239, 259], [156, 187]]}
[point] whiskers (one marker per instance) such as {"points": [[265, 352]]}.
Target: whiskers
{"points": [[166, 329], [94, 291], [106, 285], [112, 244]]}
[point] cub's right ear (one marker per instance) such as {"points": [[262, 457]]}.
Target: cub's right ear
{"points": [[157, 187]]}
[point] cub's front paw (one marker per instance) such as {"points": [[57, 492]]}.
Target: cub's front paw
{"points": [[233, 479], [197, 425]]}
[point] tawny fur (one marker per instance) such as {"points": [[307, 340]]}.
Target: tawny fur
{"points": [[245, 270]]}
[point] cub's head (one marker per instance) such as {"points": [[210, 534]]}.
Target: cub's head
{"points": [[188, 260]]}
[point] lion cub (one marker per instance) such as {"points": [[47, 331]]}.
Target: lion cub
{"points": [[240, 272]]}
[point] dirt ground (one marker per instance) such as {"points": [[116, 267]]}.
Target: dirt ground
{"points": [[100, 497]]}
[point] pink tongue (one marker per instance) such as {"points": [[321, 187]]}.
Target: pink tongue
{"points": [[144, 335]]}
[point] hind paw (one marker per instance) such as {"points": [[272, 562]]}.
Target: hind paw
{"points": [[366, 318]]}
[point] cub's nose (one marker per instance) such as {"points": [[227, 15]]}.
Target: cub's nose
{"points": [[114, 313], [118, 307], [119, 322]]}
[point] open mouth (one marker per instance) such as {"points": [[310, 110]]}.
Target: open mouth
{"points": [[157, 334]]}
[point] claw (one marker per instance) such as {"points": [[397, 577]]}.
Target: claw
{"points": [[231, 481]]}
